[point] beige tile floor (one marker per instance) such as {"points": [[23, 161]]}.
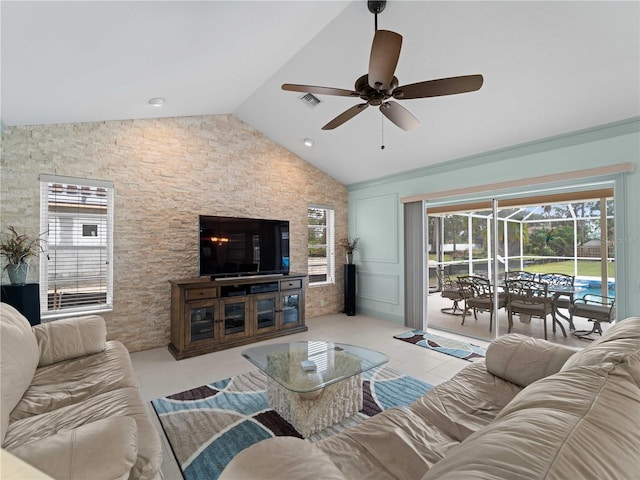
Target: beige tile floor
{"points": [[159, 374]]}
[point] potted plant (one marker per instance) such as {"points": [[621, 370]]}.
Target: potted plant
{"points": [[349, 246], [17, 249]]}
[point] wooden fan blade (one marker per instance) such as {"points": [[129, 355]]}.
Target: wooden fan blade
{"points": [[399, 115], [385, 52], [437, 88], [319, 90], [346, 115]]}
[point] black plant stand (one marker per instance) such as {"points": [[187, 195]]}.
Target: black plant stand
{"points": [[25, 298]]}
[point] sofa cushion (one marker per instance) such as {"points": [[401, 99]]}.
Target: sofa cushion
{"points": [[394, 444], [19, 357], [523, 360], [107, 446], [280, 458], [65, 383], [620, 344], [579, 423], [120, 402], [70, 338], [467, 402]]}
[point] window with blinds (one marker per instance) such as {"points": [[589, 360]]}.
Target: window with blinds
{"points": [[76, 273], [321, 244]]}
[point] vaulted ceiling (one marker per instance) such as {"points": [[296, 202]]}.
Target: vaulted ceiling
{"points": [[549, 68]]}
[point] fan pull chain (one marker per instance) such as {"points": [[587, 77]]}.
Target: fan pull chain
{"points": [[381, 132]]}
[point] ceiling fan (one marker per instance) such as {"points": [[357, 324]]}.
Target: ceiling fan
{"points": [[380, 84]]}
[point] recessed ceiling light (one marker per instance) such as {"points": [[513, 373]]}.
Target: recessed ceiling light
{"points": [[156, 102], [308, 142]]}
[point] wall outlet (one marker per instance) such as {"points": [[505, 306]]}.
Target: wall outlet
{"points": [[322, 300]]}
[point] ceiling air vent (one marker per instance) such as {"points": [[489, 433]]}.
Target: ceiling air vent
{"points": [[309, 100]]}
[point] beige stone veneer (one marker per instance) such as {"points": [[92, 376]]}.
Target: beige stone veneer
{"points": [[167, 172]]}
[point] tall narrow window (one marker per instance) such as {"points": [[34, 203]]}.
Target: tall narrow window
{"points": [[76, 272], [321, 266]]}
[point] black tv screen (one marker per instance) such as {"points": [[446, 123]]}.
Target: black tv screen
{"points": [[233, 246]]}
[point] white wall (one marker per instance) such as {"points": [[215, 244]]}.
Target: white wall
{"points": [[375, 208]]}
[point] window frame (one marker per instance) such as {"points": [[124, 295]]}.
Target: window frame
{"points": [[47, 219], [330, 245]]}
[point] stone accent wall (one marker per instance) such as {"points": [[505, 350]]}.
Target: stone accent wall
{"points": [[166, 173]]}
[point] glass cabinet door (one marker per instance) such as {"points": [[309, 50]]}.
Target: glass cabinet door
{"points": [[266, 312], [201, 321], [235, 317], [290, 309]]}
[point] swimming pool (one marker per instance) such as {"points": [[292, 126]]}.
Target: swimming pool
{"points": [[592, 287]]}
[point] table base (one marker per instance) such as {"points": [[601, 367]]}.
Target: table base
{"points": [[311, 412]]}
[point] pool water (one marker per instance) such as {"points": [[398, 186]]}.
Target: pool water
{"points": [[592, 288]]}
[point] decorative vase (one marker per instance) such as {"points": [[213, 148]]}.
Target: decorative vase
{"points": [[349, 258], [18, 273]]}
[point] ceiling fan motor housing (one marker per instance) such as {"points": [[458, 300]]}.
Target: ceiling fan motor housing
{"points": [[370, 94], [376, 7]]}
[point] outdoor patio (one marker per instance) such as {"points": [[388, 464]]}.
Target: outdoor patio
{"points": [[480, 328]]}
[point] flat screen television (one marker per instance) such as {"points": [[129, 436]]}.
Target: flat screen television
{"points": [[236, 247]]}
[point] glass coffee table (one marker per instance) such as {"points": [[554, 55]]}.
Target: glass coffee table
{"points": [[314, 384]]}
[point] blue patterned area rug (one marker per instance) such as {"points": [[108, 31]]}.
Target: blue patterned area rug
{"points": [[207, 426], [455, 348]]}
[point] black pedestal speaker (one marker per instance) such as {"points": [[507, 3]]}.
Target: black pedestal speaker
{"points": [[350, 289], [24, 298]]}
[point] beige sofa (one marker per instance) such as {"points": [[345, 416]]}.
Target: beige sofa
{"points": [[531, 410], [70, 402]]}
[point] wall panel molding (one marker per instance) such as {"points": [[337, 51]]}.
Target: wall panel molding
{"points": [[377, 218], [379, 287]]}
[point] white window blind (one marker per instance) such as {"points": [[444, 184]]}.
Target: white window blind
{"points": [[321, 244], [76, 272]]}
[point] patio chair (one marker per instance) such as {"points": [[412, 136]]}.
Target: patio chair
{"points": [[478, 296], [528, 297], [560, 299], [596, 309], [451, 290], [519, 275]]}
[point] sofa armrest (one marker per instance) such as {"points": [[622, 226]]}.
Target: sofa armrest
{"points": [[523, 360], [281, 457], [70, 338], [16, 468], [105, 448]]}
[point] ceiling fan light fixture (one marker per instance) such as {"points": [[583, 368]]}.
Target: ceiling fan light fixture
{"points": [[308, 142]]}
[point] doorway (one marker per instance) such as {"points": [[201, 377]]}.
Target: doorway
{"points": [[569, 233]]}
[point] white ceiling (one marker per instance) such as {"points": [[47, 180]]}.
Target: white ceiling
{"points": [[549, 68]]}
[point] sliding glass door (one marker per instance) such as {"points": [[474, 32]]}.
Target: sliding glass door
{"points": [[569, 233]]}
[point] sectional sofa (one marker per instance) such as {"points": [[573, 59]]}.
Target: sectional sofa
{"points": [[70, 403], [531, 410]]}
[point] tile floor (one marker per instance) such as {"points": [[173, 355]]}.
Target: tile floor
{"points": [[159, 374]]}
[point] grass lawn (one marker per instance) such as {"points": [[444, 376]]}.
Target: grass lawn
{"points": [[586, 268]]}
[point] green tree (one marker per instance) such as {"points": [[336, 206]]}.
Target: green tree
{"points": [[550, 242], [455, 230]]}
